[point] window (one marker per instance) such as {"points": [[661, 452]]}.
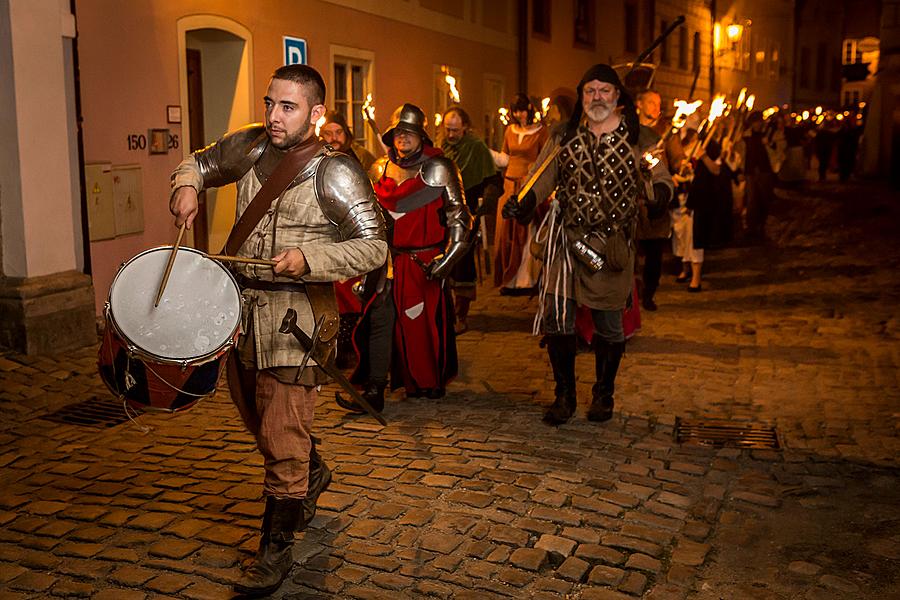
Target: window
{"points": [[821, 65], [774, 57], [664, 47], [849, 55], [351, 85], [584, 24], [696, 62], [759, 58], [804, 67], [682, 48], [631, 27], [540, 18]]}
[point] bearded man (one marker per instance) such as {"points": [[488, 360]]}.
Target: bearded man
{"points": [[481, 181], [598, 175], [655, 226], [312, 211]]}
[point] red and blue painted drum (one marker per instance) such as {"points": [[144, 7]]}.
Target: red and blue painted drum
{"points": [[167, 358]]}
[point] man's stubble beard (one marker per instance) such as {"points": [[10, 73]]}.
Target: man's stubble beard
{"points": [[292, 140]]}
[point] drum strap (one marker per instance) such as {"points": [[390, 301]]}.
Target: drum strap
{"points": [[284, 173]]}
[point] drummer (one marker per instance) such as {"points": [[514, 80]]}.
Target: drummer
{"points": [[324, 227]]}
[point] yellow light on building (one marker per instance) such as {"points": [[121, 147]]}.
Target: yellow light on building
{"points": [[717, 36], [734, 32]]}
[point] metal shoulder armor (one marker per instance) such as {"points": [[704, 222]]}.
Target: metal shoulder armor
{"points": [[440, 171], [346, 197], [228, 159]]}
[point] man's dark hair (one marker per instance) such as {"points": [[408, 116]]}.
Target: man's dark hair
{"points": [[463, 115], [306, 76], [640, 95]]}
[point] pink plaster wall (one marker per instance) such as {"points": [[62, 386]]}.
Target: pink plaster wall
{"points": [[129, 73]]}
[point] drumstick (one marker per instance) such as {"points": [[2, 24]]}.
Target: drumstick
{"points": [[241, 259], [168, 271]]}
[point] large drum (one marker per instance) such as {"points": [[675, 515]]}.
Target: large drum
{"points": [[166, 358]]}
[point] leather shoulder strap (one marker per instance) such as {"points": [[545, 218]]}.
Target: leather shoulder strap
{"points": [[282, 176]]}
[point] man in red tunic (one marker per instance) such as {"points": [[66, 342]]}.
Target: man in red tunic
{"points": [[409, 321]]}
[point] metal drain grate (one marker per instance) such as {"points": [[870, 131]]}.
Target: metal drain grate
{"points": [[94, 412], [719, 434]]}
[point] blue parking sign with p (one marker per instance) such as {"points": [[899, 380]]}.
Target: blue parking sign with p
{"points": [[294, 51]]}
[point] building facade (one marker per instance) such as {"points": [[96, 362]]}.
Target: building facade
{"points": [[103, 99]]}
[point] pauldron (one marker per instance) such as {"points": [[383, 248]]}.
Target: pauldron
{"points": [[346, 197], [228, 159]]}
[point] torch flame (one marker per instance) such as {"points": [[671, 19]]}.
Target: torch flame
{"points": [[818, 110], [454, 92], [741, 97], [438, 117], [368, 109], [716, 108], [319, 124], [751, 100], [683, 108], [769, 112], [805, 115], [651, 160], [504, 115], [545, 105]]}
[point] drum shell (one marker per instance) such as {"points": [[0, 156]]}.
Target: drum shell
{"points": [[149, 381], [156, 386]]}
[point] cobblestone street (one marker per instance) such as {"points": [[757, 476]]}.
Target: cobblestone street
{"points": [[473, 497]]}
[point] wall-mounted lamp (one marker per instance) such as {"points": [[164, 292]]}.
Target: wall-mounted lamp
{"points": [[734, 32]]}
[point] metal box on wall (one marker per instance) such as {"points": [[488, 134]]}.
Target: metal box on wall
{"points": [[128, 199], [100, 207]]}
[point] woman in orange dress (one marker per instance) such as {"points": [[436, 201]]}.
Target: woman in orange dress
{"points": [[515, 269]]}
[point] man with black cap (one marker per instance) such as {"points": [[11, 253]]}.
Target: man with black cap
{"points": [[588, 235], [409, 321], [336, 133]]}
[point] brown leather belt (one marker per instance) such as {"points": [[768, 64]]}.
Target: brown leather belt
{"points": [[269, 286]]}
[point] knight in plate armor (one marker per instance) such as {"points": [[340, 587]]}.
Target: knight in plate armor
{"points": [[323, 226], [587, 238], [408, 324]]}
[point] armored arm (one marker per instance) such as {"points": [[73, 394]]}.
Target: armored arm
{"points": [[347, 200], [441, 172], [222, 162]]}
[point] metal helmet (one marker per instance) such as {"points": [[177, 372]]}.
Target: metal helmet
{"points": [[408, 117]]}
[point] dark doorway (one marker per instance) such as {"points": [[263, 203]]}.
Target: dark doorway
{"points": [[197, 137]]}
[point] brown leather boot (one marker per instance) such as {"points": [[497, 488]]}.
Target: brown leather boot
{"points": [[273, 560]]}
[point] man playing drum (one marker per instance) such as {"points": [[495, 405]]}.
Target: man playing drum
{"points": [[313, 211]]}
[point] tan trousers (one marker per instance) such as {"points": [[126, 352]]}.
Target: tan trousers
{"points": [[280, 417]]}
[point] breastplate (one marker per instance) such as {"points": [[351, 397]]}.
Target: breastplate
{"points": [[598, 181]]}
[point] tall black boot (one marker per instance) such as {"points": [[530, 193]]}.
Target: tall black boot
{"points": [[373, 393], [607, 355], [273, 560], [319, 480], [561, 350]]}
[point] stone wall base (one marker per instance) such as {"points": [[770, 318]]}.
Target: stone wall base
{"points": [[48, 314]]}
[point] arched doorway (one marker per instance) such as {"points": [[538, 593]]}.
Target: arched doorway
{"points": [[216, 75]]}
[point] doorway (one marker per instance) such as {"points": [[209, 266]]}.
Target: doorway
{"points": [[216, 93]]}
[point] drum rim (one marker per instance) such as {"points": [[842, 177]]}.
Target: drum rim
{"points": [[137, 350]]}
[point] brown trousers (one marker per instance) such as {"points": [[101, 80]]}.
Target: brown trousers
{"points": [[280, 417]]}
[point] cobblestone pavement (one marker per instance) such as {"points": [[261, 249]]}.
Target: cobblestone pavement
{"points": [[472, 497]]}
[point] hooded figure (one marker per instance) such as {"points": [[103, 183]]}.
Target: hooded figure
{"points": [[587, 237]]}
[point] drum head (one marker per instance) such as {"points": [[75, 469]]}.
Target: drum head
{"points": [[199, 312]]}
